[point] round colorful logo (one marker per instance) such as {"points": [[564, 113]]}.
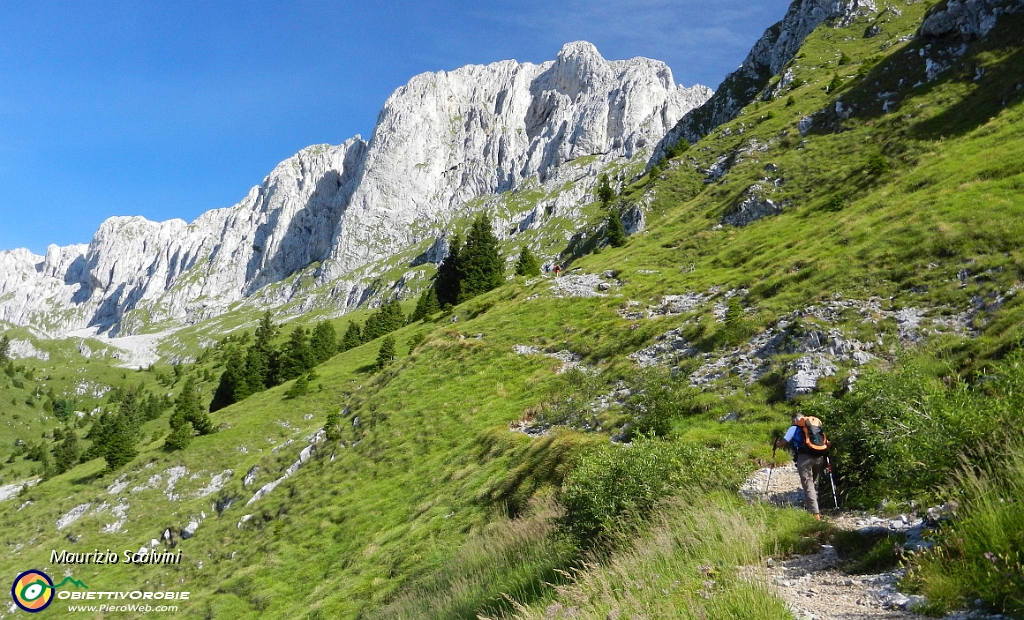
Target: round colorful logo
{"points": [[32, 590]]}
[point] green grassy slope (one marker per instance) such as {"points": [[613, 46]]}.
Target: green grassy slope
{"points": [[429, 506]]}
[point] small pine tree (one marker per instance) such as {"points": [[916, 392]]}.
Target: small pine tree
{"points": [[296, 357], [527, 265], [66, 453], [187, 409], [118, 448], [299, 388], [5, 347], [387, 353], [180, 437], [353, 336], [616, 232], [323, 343], [233, 386], [332, 427], [256, 376], [605, 193], [447, 279], [426, 306], [385, 320], [480, 266]]}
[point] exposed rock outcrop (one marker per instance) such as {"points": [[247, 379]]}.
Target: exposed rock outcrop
{"points": [[448, 137]]}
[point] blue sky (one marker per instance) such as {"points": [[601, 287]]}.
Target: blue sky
{"points": [[168, 109]]}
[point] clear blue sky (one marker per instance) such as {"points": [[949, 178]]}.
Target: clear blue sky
{"points": [[168, 109]]}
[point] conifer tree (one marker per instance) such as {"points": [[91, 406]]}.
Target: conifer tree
{"points": [[323, 343], [332, 427], [299, 388], [233, 386], [447, 278], [257, 371], [187, 408], [353, 336], [386, 354], [385, 320], [180, 437], [425, 306], [260, 358], [527, 264], [118, 447], [605, 193], [480, 266], [296, 358], [616, 232], [5, 347], [66, 453]]}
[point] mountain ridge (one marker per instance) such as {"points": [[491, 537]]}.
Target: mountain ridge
{"points": [[441, 140]]}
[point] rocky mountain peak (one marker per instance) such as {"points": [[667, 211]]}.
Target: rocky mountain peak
{"points": [[441, 140]]}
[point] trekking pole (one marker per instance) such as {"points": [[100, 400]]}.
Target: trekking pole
{"points": [[828, 468], [775, 438]]}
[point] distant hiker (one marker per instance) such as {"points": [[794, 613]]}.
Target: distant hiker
{"points": [[810, 446], [558, 270]]}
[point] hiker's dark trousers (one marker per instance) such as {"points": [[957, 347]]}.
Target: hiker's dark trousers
{"points": [[810, 467]]}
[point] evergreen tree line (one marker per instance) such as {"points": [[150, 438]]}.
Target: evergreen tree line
{"points": [[263, 365], [114, 433], [470, 268]]}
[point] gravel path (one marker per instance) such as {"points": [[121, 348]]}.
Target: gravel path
{"points": [[812, 585]]}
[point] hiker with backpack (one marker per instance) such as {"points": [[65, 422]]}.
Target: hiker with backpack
{"points": [[807, 440]]}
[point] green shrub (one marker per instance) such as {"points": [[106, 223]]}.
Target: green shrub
{"points": [[878, 164], [658, 398], [868, 551], [180, 437], [835, 203], [901, 434], [615, 482]]}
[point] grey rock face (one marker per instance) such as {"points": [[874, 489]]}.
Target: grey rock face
{"points": [[441, 140], [186, 272], [751, 208], [809, 370], [966, 20], [448, 137]]}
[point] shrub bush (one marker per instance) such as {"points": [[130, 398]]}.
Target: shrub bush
{"points": [[900, 435], [658, 398], [615, 482]]}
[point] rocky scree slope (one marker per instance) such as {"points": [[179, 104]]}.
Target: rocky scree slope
{"points": [[441, 140]]}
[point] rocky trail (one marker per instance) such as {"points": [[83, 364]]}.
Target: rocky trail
{"points": [[813, 585]]}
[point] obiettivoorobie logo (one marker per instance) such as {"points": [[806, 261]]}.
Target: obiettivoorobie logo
{"points": [[33, 590]]}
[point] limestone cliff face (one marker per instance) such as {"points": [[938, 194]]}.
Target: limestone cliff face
{"points": [[182, 271], [449, 137], [443, 139]]}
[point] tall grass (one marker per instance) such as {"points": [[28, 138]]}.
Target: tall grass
{"points": [[509, 560], [982, 554], [685, 564]]}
